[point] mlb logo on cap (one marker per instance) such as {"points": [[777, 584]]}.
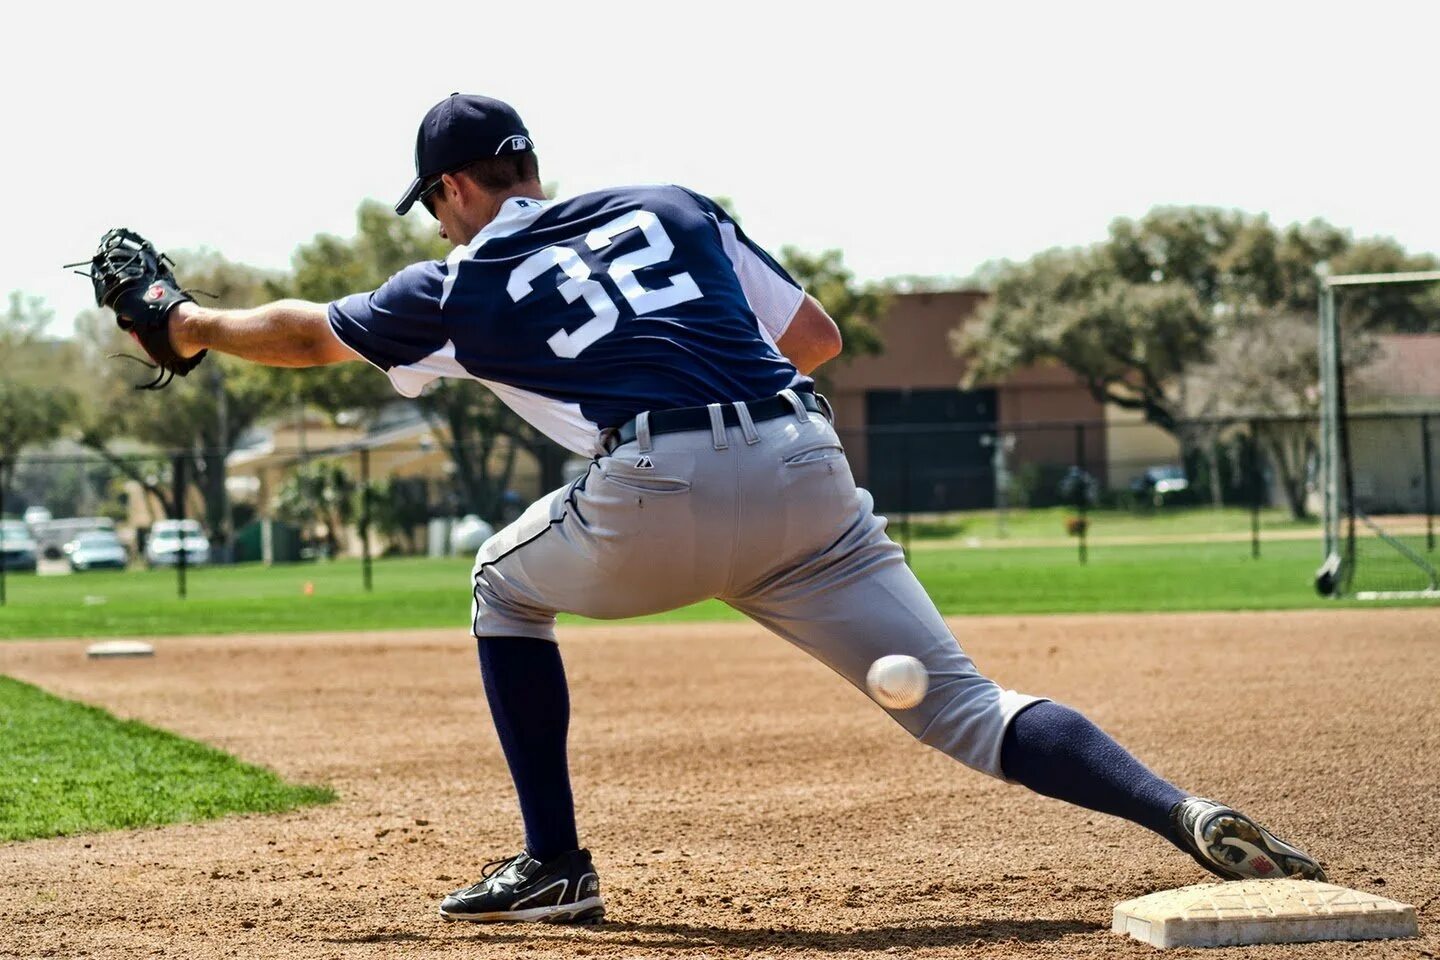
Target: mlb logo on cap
{"points": [[515, 145]]}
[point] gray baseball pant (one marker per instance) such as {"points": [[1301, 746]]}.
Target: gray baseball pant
{"points": [[765, 516]]}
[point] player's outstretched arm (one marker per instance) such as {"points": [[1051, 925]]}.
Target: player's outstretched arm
{"points": [[286, 333], [812, 338]]}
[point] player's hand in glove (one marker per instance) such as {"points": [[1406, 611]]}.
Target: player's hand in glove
{"points": [[134, 279]]}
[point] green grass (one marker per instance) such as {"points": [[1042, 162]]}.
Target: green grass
{"points": [[1151, 577], [417, 592], [67, 768], [1162, 523]]}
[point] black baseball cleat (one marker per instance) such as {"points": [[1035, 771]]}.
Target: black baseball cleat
{"points": [[1231, 845], [564, 889]]}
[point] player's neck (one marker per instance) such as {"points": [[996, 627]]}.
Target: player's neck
{"points": [[530, 190]]}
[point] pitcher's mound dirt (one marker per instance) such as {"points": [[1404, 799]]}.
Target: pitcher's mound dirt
{"points": [[740, 800]]}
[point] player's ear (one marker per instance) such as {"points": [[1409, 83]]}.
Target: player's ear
{"points": [[458, 185], [449, 187]]}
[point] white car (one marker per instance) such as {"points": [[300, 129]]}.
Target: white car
{"points": [[96, 550], [162, 549], [18, 549], [467, 535]]}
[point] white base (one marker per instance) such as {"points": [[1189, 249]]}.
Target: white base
{"points": [[1244, 912], [1398, 595], [119, 648]]}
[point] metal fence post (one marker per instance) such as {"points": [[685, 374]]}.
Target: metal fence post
{"points": [[905, 490], [1429, 484], [365, 519], [181, 558], [1082, 493], [1256, 484], [2, 532]]}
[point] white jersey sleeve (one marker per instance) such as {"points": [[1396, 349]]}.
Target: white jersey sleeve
{"points": [[773, 295]]}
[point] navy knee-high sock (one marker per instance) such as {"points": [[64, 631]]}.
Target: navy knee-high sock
{"points": [[530, 702], [1056, 751]]}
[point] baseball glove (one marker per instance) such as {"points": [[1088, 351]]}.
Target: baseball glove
{"points": [[135, 280]]}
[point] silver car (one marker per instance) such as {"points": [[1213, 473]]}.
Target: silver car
{"points": [[97, 550], [18, 550], [166, 539]]}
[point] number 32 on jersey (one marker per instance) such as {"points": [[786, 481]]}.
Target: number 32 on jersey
{"points": [[578, 284]]}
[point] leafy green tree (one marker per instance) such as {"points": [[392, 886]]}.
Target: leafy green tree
{"points": [[1269, 365], [855, 307], [398, 507], [30, 416], [482, 436], [199, 416], [329, 267], [36, 403], [1132, 314], [319, 496]]}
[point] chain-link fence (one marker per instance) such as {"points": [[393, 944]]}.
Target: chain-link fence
{"points": [[1068, 484]]}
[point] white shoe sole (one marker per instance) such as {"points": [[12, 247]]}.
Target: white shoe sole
{"points": [[1258, 854], [589, 910]]}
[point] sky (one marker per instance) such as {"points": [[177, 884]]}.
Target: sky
{"points": [[919, 138]]}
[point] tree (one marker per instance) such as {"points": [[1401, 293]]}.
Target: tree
{"points": [[854, 307], [1131, 314], [329, 267], [30, 416], [1268, 366], [36, 405], [1127, 341], [482, 436], [199, 416], [319, 494], [398, 506]]}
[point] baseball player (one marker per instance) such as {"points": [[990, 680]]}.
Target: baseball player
{"points": [[642, 328]]}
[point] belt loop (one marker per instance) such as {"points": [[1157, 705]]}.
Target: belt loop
{"points": [[642, 431], [747, 423], [801, 413], [717, 426]]}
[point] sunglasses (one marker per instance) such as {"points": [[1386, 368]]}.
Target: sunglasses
{"points": [[426, 196]]}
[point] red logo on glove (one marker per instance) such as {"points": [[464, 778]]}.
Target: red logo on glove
{"points": [[156, 292]]}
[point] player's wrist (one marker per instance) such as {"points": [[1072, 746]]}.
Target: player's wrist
{"points": [[186, 328]]}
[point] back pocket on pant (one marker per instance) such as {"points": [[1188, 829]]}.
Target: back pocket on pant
{"points": [[646, 483], [816, 454]]}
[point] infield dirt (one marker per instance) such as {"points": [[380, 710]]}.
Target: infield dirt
{"points": [[740, 800]]}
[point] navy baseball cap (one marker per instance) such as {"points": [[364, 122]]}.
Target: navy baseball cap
{"points": [[461, 128]]}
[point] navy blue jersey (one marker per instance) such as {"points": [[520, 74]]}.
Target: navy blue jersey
{"points": [[582, 313]]}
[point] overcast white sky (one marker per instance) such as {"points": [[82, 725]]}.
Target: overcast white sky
{"points": [[919, 138]]}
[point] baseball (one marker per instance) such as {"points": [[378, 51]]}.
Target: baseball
{"points": [[897, 682]]}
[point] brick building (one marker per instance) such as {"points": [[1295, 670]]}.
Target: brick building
{"points": [[944, 458]]}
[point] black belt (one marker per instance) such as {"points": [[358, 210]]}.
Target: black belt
{"points": [[684, 419]]}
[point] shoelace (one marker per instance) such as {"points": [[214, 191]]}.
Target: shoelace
{"points": [[492, 868], [486, 872]]}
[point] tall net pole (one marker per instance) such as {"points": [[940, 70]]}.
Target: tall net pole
{"points": [[1328, 417], [1337, 479]]}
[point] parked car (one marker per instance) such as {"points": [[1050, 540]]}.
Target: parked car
{"points": [[97, 550], [52, 535], [162, 549], [18, 550], [34, 515], [468, 534], [1159, 484]]}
